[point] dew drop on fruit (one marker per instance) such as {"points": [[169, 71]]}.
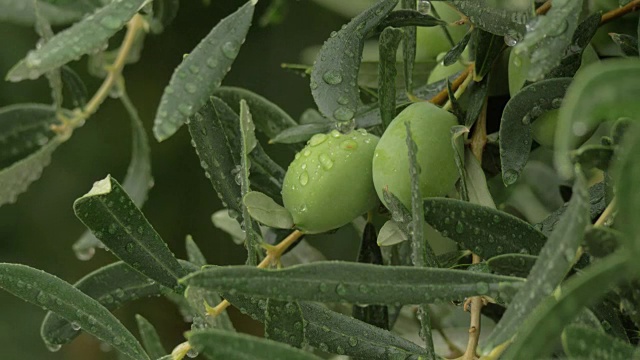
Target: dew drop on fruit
{"points": [[317, 139], [335, 133], [325, 161], [350, 145], [304, 178]]}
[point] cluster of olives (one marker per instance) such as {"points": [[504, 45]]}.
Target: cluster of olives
{"points": [[335, 178]]}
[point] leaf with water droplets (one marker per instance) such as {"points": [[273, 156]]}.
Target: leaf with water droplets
{"points": [[23, 12], [283, 322], [82, 38], [26, 145], [408, 18], [584, 343], [545, 322], [263, 209], [75, 86], [512, 264], [51, 293], [196, 298], [458, 137], [201, 72], [108, 211], [409, 47], [366, 284], [628, 178], [554, 262], [515, 126], [455, 52], [217, 344], [150, 338], [485, 231], [547, 38], [335, 71], [337, 333], [137, 181], [389, 41], [300, 133], [572, 56], [495, 20], [602, 91], [627, 43], [112, 286]]}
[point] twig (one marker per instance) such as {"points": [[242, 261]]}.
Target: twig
{"points": [[479, 136], [616, 13], [114, 72], [273, 256], [608, 211]]}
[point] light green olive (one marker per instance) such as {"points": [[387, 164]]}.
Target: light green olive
{"points": [[430, 128], [543, 129], [432, 40], [329, 183], [442, 72]]}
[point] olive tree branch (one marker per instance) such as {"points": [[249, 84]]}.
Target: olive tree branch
{"points": [[621, 11], [114, 72]]}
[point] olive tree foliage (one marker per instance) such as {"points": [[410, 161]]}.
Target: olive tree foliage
{"points": [[533, 227]]}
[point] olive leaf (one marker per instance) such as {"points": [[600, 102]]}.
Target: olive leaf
{"points": [[512, 264], [389, 41], [194, 254], [300, 133], [409, 48], [335, 70], [202, 71], [488, 48], [503, 22], [627, 43], [150, 338], [82, 38], [263, 209], [628, 170], [455, 52], [390, 234], [572, 56], [283, 322], [581, 342], [23, 12]]}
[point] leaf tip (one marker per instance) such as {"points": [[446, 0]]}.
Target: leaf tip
{"points": [[100, 187]]}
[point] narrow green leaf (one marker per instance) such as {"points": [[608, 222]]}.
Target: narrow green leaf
{"points": [[194, 254], [515, 126], [333, 77], [593, 156], [390, 234], [272, 120], [458, 136], [164, 11], [454, 53], [196, 299], [216, 344], [226, 223], [312, 116], [572, 56], [488, 48], [202, 71], [495, 20], [112, 286], [548, 36], [628, 170], [466, 223], [584, 343], [518, 265], [150, 338], [300, 133], [263, 209], [554, 262], [114, 219], [75, 87], [284, 322], [338, 333], [409, 47], [51, 293], [555, 313], [23, 12], [137, 181], [388, 45], [476, 181], [476, 97], [368, 284], [82, 38], [627, 43], [602, 91], [409, 18]]}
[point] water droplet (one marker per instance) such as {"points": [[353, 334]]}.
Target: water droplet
{"points": [[75, 326], [510, 177], [42, 297], [341, 290], [526, 120], [559, 29], [579, 128], [111, 22], [323, 287], [185, 109], [85, 254], [304, 178], [459, 227], [343, 100], [317, 139], [363, 288], [313, 84], [129, 247], [230, 49], [482, 288], [325, 161], [112, 228], [335, 133], [496, 219], [53, 347], [119, 293], [353, 341], [423, 6], [510, 40], [306, 152], [191, 88], [192, 353], [332, 77], [349, 145], [212, 62]]}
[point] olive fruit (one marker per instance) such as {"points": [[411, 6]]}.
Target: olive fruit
{"points": [[329, 182], [430, 129], [433, 40], [543, 129], [440, 71]]}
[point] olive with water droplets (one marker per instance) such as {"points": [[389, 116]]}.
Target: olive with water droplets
{"points": [[329, 183], [431, 131]]}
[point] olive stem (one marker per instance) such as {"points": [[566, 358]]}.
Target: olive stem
{"points": [[180, 351], [273, 256], [621, 11], [114, 73], [458, 93], [606, 214], [479, 137]]}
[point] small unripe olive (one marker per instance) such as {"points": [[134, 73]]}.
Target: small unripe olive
{"points": [[543, 129], [432, 40], [329, 183], [431, 131]]}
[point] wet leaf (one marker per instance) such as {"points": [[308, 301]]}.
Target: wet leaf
{"points": [[263, 209]]}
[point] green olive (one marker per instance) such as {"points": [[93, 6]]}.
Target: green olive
{"points": [[328, 184], [543, 129], [431, 131], [432, 40]]}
